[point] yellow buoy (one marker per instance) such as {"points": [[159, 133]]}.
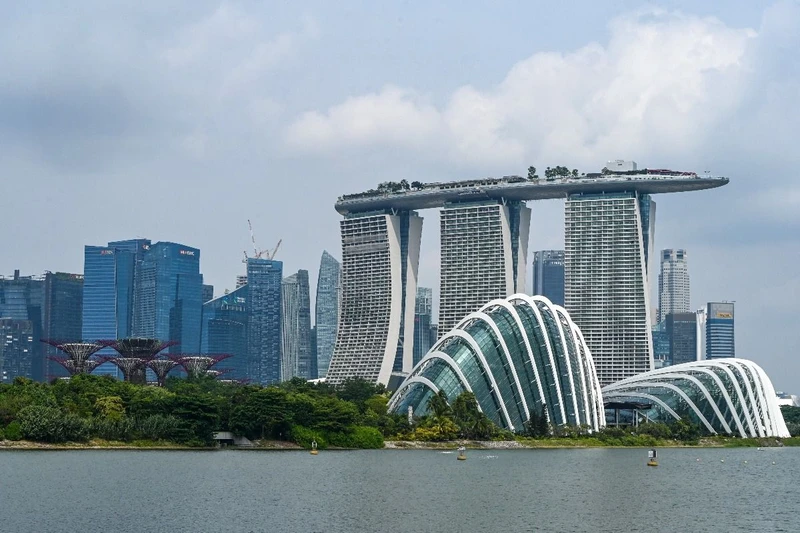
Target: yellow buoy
{"points": [[314, 452], [652, 455], [462, 453], [314, 448]]}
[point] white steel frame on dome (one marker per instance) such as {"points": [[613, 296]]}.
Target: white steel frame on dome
{"points": [[756, 400], [588, 406]]}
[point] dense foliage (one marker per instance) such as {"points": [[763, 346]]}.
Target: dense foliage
{"points": [[791, 415], [188, 412]]}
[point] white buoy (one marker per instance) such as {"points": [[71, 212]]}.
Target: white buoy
{"points": [[722, 460]]}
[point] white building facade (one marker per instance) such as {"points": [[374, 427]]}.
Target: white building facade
{"points": [[484, 246], [673, 284], [380, 260], [609, 240]]}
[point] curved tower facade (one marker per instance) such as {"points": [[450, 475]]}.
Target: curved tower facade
{"points": [[380, 259], [327, 311]]}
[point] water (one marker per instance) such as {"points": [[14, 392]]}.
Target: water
{"points": [[598, 490]]}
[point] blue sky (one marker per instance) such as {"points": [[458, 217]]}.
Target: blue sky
{"points": [[180, 120]]}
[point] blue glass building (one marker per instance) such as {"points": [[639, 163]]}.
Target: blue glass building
{"points": [[168, 298], [108, 292], [264, 277], [326, 311], [21, 299], [224, 330], [62, 315], [548, 275], [423, 314], [296, 327], [719, 330]]}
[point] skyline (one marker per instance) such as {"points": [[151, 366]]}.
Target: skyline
{"points": [[181, 138]]}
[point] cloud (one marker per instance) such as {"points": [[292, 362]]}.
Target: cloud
{"points": [[658, 86]]}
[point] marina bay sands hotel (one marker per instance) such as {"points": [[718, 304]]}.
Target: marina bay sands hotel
{"points": [[609, 229]]}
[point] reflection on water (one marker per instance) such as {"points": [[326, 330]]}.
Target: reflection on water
{"points": [[598, 490]]}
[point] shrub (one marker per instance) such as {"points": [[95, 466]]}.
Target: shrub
{"points": [[361, 437], [113, 428], [49, 424], [157, 427], [13, 431], [304, 437]]}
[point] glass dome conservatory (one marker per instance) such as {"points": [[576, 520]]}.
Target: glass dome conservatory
{"points": [[518, 355], [733, 396]]}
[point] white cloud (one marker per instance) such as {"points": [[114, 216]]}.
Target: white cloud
{"points": [[659, 85]]}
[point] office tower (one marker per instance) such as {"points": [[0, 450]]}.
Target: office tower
{"points": [[484, 249], [241, 280], [327, 311], [661, 356], [548, 275], [18, 349], [380, 259], [681, 329], [108, 293], [296, 327], [168, 296], [21, 302], [264, 278], [62, 316], [224, 331], [423, 314], [208, 293], [701, 333], [673, 283], [608, 243], [719, 330], [314, 362]]}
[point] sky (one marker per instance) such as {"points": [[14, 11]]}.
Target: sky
{"points": [[179, 121]]}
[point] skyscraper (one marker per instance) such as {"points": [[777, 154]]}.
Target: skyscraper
{"points": [[423, 315], [108, 293], [673, 283], [720, 340], [327, 311], [224, 331], [681, 329], [62, 315], [701, 333], [608, 244], [483, 256], [380, 259], [548, 275], [168, 296], [208, 293], [21, 301], [296, 328], [264, 278]]}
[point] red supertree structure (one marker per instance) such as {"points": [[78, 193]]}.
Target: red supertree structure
{"points": [[80, 357], [134, 354], [198, 365], [161, 368]]}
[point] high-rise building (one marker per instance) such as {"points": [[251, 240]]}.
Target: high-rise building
{"points": [[241, 280], [681, 329], [21, 302], [18, 347], [423, 315], [548, 275], [264, 278], [62, 316], [314, 362], [296, 328], [108, 293], [660, 345], [168, 296], [208, 293], [380, 259], [720, 340], [673, 283], [484, 249], [701, 333], [327, 311], [608, 245], [224, 331]]}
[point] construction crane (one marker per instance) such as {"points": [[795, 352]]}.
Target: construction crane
{"points": [[259, 254]]}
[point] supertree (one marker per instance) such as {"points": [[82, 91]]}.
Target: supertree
{"points": [[134, 354], [198, 365], [78, 360], [161, 368]]}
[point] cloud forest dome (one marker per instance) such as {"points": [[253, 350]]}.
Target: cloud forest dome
{"points": [[518, 355], [733, 396]]}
